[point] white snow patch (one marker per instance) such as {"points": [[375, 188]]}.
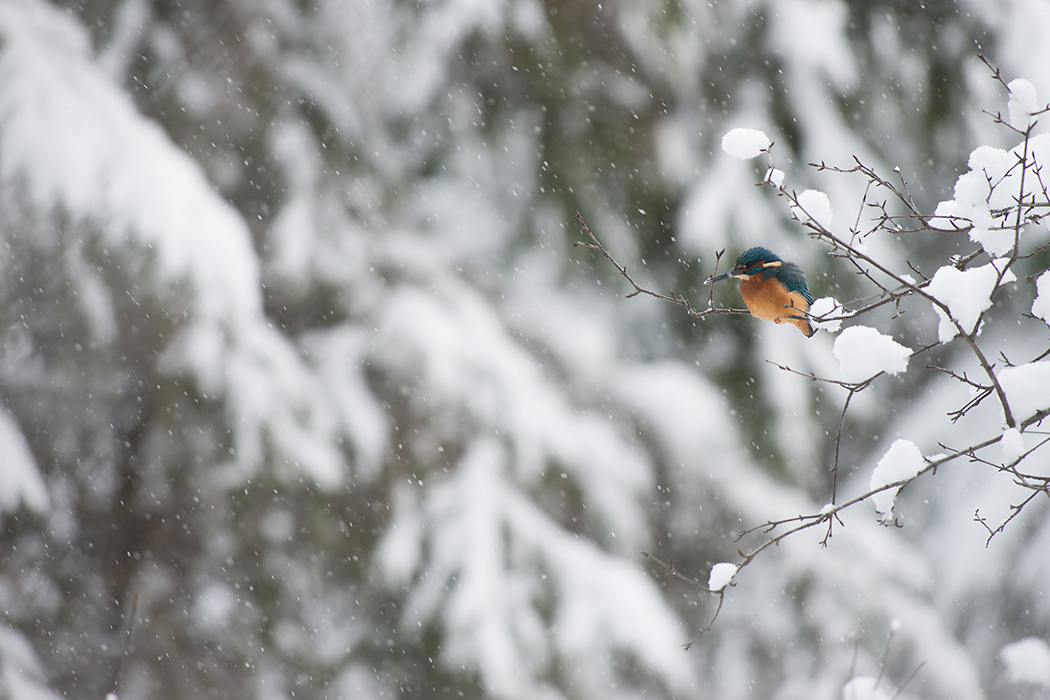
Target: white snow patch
{"points": [[1012, 444], [813, 205], [274, 399], [775, 177], [944, 217], [721, 575], [338, 354], [400, 550], [972, 194], [986, 160], [1041, 305], [985, 197], [1027, 661], [901, 462], [214, 605], [22, 675], [994, 241], [823, 307], [20, 480], [1023, 103], [1027, 388], [966, 293], [988, 186], [745, 144], [863, 352], [946, 330]]}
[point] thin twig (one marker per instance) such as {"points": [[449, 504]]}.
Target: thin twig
{"points": [[908, 679], [673, 297]]}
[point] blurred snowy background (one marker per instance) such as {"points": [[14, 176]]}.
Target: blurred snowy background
{"points": [[302, 377]]}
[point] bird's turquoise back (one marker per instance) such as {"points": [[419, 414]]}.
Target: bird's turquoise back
{"points": [[791, 276]]}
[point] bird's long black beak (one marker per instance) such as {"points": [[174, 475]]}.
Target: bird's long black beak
{"points": [[719, 278]]}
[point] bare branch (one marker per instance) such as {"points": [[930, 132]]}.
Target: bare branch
{"points": [[673, 297], [1015, 510], [672, 571], [908, 679]]}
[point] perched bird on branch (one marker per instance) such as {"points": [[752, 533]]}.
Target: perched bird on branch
{"points": [[773, 290]]}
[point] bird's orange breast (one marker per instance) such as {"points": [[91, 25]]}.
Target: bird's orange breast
{"points": [[770, 300]]}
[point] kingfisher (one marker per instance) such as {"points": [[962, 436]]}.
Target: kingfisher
{"points": [[773, 290]]}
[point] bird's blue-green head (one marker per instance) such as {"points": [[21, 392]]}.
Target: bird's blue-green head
{"points": [[755, 258], [763, 261], [751, 262]]}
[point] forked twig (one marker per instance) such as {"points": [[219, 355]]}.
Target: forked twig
{"points": [[672, 571]]}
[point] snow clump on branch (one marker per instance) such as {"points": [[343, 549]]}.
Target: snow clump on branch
{"points": [[721, 575], [1023, 103], [814, 206], [902, 462], [746, 144], [863, 352], [967, 294]]}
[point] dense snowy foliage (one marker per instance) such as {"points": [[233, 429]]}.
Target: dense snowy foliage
{"points": [[308, 394]]}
